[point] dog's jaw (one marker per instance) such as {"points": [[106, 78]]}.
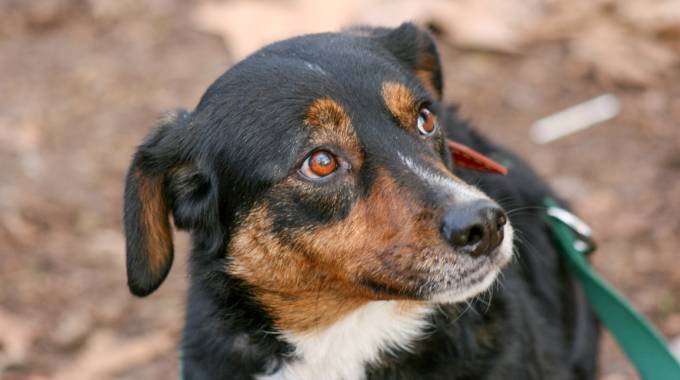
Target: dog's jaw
{"points": [[342, 350]]}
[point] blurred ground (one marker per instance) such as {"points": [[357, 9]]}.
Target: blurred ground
{"points": [[83, 81]]}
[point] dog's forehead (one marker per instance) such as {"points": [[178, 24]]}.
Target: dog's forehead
{"points": [[347, 68], [262, 101]]}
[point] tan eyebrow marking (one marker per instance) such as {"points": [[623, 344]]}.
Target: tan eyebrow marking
{"points": [[327, 113], [401, 102], [330, 117]]}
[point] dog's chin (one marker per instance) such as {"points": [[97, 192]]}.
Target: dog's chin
{"points": [[456, 295], [480, 279]]}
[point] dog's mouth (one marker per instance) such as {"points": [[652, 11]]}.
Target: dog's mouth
{"points": [[443, 276], [469, 276]]}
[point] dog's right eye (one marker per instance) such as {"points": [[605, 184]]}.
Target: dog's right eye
{"points": [[319, 164], [426, 123]]}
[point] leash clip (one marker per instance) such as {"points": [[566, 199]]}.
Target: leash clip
{"points": [[584, 242]]}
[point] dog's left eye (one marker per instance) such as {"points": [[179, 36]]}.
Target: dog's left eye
{"points": [[319, 164], [426, 123]]}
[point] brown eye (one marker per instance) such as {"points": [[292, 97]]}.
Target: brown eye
{"points": [[426, 123], [319, 164]]}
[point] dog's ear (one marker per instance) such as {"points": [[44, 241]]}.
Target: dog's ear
{"points": [[415, 48], [162, 179]]}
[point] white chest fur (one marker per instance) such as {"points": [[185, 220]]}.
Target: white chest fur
{"points": [[342, 350]]}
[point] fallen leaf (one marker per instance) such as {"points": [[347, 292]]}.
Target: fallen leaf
{"points": [[16, 337], [268, 21], [656, 17], [492, 25], [105, 355], [72, 329], [616, 54]]}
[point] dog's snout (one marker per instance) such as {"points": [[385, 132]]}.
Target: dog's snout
{"points": [[474, 229]]}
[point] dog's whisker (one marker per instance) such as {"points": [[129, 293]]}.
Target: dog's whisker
{"points": [[460, 315], [488, 303]]}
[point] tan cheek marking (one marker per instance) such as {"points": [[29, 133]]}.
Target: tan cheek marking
{"points": [[382, 238], [318, 281], [401, 102], [298, 292], [155, 220]]}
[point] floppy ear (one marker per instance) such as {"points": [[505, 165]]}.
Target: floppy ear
{"points": [[161, 180], [414, 48]]}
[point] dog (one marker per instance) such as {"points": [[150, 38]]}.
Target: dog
{"points": [[333, 237]]}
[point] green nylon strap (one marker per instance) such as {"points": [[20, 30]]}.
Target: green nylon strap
{"points": [[181, 366], [636, 336]]}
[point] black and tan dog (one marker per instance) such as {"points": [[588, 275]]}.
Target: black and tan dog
{"points": [[334, 238]]}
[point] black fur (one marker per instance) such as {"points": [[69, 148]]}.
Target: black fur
{"points": [[244, 137]]}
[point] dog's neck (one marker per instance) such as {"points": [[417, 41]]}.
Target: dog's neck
{"points": [[344, 349]]}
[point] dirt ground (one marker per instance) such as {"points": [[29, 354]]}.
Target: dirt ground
{"points": [[82, 81]]}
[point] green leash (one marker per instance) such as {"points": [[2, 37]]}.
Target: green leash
{"points": [[635, 335], [181, 365]]}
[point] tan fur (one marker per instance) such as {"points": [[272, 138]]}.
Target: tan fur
{"points": [[331, 124], [327, 113], [154, 214], [401, 103], [318, 278]]}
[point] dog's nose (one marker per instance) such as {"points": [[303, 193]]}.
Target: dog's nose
{"points": [[475, 229]]}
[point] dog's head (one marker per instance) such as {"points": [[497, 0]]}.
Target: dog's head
{"points": [[319, 172]]}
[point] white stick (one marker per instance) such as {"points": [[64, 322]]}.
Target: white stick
{"points": [[576, 118]]}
